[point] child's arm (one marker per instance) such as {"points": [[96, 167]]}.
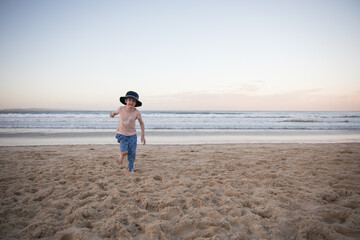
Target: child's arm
{"points": [[113, 114], [142, 126]]}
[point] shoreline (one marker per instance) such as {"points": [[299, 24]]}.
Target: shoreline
{"points": [[224, 191], [26, 137]]}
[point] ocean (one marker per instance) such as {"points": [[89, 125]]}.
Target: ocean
{"points": [[180, 127]]}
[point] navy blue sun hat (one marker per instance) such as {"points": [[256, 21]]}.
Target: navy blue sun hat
{"points": [[132, 95]]}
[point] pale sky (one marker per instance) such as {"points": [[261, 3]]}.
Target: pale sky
{"points": [[180, 55]]}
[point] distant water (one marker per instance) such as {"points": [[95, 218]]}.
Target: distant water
{"points": [[46, 127], [184, 120]]}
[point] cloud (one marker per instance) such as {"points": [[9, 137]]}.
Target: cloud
{"points": [[299, 100], [247, 88], [306, 91]]}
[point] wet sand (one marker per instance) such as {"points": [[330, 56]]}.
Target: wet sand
{"points": [[240, 191], [30, 137]]}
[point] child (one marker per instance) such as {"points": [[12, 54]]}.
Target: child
{"points": [[126, 132]]}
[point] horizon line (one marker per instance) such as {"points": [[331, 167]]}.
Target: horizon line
{"points": [[163, 110]]}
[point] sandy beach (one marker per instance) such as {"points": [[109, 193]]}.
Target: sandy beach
{"points": [[239, 191]]}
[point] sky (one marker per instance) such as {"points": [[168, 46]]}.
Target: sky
{"points": [[181, 54]]}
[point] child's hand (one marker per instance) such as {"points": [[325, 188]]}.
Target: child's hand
{"points": [[112, 114], [143, 141]]}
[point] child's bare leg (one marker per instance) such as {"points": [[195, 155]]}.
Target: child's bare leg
{"points": [[122, 155]]}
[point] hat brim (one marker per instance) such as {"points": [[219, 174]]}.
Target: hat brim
{"points": [[138, 103]]}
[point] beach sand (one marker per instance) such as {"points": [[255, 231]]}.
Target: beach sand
{"points": [[242, 191]]}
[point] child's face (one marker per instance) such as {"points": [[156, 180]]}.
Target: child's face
{"points": [[130, 102]]}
